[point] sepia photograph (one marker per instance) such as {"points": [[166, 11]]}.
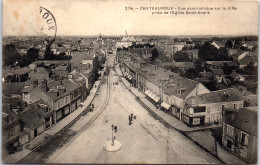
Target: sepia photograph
{"points": [[129, 82]]}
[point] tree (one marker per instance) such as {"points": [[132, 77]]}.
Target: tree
{"points": [[155, 54], [10, 55], [237, 43], [208, 52], [33, 53], [176, 39], [190, 73], [250, 69], [229, 44], [181, 56]]}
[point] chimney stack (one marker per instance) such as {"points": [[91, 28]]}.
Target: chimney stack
{"points": [[44, 85], [171, 79]]}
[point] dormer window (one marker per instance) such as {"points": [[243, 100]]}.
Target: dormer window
{"points": [[179, 92]]}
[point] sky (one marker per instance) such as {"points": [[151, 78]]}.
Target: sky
{"points": [[109, 17]]}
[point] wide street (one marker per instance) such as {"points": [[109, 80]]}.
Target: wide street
{"points": [[147, 140]]}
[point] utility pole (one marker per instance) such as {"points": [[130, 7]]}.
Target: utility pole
{"points": [[112, 134]]}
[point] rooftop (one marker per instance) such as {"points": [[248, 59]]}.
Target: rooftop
{"points": [[225, 95], [245, 119]]}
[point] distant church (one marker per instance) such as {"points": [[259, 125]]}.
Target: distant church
{"points": [[126, 41]]}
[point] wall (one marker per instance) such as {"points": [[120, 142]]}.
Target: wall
{"points": [[213, 110], [62, 102], [177, 101]]}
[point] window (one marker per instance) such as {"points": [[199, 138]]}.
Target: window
{"points": [[229, 144], [243, 138], [235, 106], [208, 109], [241, 105], [217, 118], [199, 109], [58, 103], [230, 130], [223, 107], [191, 111], [179, 92], [66, 100]]}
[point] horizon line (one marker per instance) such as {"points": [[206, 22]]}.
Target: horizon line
{"points": [[168, 35]]}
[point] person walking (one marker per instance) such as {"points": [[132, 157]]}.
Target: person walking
{"points": [[129, 118]]}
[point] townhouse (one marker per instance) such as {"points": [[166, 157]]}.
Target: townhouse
{"points": [[205, 109], [177, 90], [239, 135], [62, 96]]}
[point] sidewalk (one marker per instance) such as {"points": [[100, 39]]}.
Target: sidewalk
{"points": [[48, 134], [174, 122]]}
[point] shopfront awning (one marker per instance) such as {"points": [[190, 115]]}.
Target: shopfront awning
{"points": [[153, 96], [165, 105], [150, 95], [147, 92], [156, 99]]}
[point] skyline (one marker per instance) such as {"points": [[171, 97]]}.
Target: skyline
{"points": [[89, 18]]}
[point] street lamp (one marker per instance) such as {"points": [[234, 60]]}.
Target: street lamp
{"points": [[114, 128]]}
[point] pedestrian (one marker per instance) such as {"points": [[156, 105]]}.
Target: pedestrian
{"points": [[91, 108], [115, 128], [129, 118], [132, 115], [93, 105]]}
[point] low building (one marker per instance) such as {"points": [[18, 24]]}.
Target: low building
{"points": [[236, 77], [218, 74], [239, 135], [207, 108], [11, 129]]}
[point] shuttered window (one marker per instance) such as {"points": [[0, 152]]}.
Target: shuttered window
{"points": [[243, 138], [230, 130]]}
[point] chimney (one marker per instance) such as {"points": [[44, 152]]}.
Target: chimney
{"points": [[44, 85], [171, 79], [70, 76]]}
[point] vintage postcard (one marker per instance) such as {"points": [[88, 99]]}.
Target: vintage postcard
{"points": [[129, 82]]}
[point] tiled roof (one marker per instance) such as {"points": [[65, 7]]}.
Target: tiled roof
{"points": [[12, 88], [183, 84], [27, 89], [218, 72], [235, 74], [245, 119], [32, 117], [7, 111], [61, 68], [225, 95], [184, 64], [42, 95], [20, 71], [206, 74], [70, 85]]}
